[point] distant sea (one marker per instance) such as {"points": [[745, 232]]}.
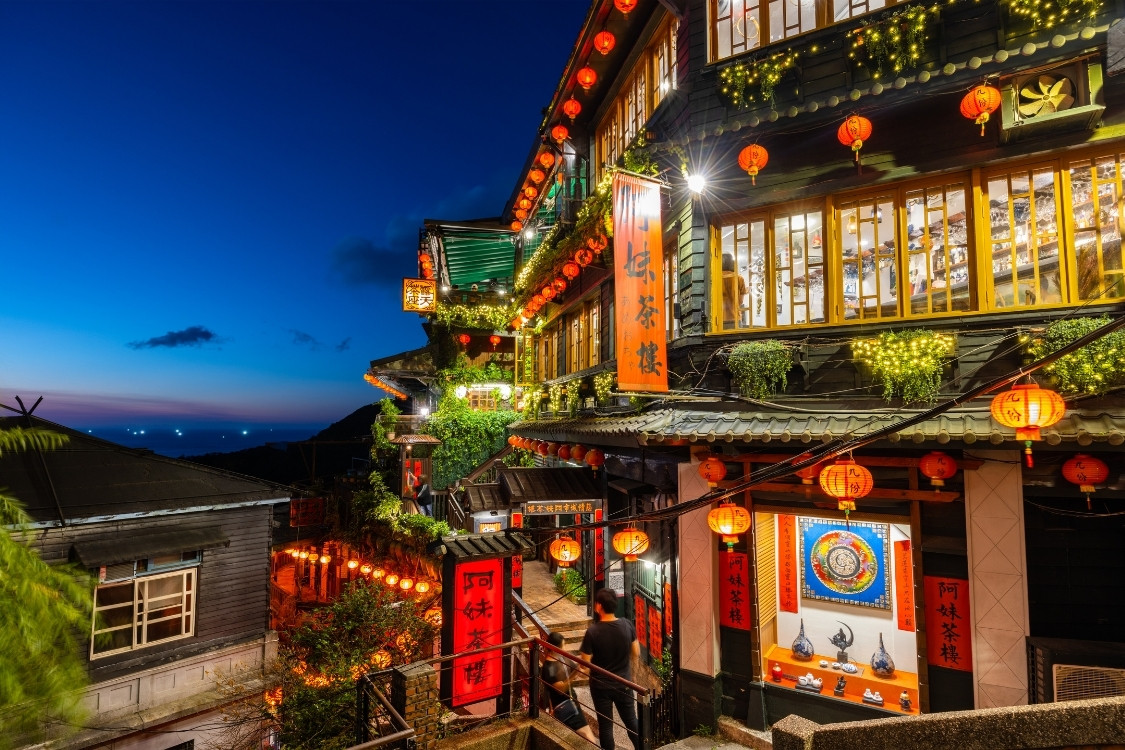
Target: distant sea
{"points": [[196, 441]]}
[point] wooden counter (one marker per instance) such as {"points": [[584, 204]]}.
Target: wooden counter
{"points": [[890, 688]]}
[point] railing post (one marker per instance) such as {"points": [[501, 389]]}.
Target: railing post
{"points": [[645, 717], [533, 680], [363, 708]]}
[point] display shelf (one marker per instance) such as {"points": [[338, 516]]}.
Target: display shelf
{"points": [[890, 688]]}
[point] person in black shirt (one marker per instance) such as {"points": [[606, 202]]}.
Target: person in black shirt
{"points": [[426, 499], [611, 644], [556, 678]]}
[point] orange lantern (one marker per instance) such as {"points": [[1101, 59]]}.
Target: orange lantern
{"points": [[428, 273], [548, 292], [494, 340], [559, 284], [854, 132], [378, 573], [595, 458], [728, 521], [516, 225], [583, 257], [809, 473], [365, 569], [547, 159], [979, 103], [571, 107], [1085, 471], [422, 587], [846, 481], [565, 551], [1028, 408], [552, 449], [713, 470], [564, 452], [598, 243], [625, 5], [524, 203], [571, 270], [516, 324], [578, 452], [521, 214], [531, 191], [353, 564], [560, 133], [752, 159], [512, 440], [541, 447], [464, 338], [938, 467], [391, 580], [406, 584], [631, 542], [586, 77], [537, 175], [528, 312], [604, 42], [538, 301]]}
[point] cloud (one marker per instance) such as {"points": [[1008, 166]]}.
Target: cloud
{"points": [[358, 262], [193, 336], [300, 338], [344, 345]]}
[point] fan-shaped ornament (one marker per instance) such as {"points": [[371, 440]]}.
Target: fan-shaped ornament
{"points": [[1046, 94]]}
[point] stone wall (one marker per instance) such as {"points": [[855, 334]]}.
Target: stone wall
{"points": [[414, 694]]}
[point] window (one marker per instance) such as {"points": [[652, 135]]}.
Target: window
{"points": [[739, 26], [869, 258], [143, 611], [1096, 195], [595, 332], [1024, 238], [937, 247], [671, 291], [577, 361]]}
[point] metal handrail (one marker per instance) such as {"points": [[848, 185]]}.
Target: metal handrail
{"points": [[405, 731], [544, 630]]}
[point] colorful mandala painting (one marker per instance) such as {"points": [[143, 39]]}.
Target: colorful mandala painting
{"points": [[845, 565]]}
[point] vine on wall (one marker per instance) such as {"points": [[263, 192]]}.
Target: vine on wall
{"points": [[893, 42], [753, 83], [1093, 369], [909, 364]]}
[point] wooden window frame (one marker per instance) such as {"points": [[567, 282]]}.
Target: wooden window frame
{"points": [[143, 614]]}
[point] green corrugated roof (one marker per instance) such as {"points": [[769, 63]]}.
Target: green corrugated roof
{"points": [[475, 252]]}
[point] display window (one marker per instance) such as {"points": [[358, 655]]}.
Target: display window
{"points": [[836, 608]]}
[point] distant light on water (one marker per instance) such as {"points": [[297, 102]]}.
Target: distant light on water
{"points": [[246, 432]]}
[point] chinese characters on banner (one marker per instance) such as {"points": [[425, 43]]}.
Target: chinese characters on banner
{"points": [[419, 295], [599, 548], [638, 260], [948, 628], [734, 590], [904, 585], [667, 609], [517, 560], [787, 586], [655, 636], [478, 621], [640, 619], [554, 507]]}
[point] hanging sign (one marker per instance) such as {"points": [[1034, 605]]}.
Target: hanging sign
{"points": [[787, 587], [667, 609], [655, 634], [517, 560], [640, 619], [419, 295], [734, 590], [638, 260], [948, 636], [554, 507], [478, 621], [904, 585], [599, 549]]}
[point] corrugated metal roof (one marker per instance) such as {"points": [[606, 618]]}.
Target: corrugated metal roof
{"points": [[701, 426], [571, 484]]}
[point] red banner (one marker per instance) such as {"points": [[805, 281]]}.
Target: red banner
{"points": [[948, 628], [787, 586], [638, 273], [734, 590], [306, 511], [599, 548], [655, 635], [478, 621], [904, 585], [517, 560], [640, 619], [667, 609]]}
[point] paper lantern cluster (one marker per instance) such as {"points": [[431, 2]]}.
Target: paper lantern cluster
{"points": [[403, 583]]}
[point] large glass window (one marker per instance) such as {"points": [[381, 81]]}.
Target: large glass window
{"points": [[671, 292], [869, 253], [1096, 195], [593, 328], [143, 611], [798, 268], [739, 26], [937, 246], [1024, 239]]}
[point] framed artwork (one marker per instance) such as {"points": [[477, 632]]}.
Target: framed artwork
{"points": [[846, 565]]}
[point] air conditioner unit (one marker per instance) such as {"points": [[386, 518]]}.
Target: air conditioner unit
{"points": [[1052, 100], [1062, 669], [1075, 683]]}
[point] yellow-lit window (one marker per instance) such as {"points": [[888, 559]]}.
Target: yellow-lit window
{"points": [[671, 291], [575, 343], [869, 283], [1096, 195], [594, 330], [939, 276], [1023, 245], [739, 26], [664, 63]]}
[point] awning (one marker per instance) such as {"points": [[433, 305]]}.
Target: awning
{"points": [[571, 484], [123, 546], [414, 439], [505, 543], [385, 383], [484, 497]]}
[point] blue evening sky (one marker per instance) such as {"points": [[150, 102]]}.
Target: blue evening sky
{"points": [[207, 206]]}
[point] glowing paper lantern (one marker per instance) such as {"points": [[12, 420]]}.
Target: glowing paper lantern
{"points": [[571, 270], [521, 215], [597, 243], [564, 453], [365, 569], [516, 225], [494, 340], [571, 107], [1028, 408], [552, 449], [578, 453], [559, 284], [586, 77], [548, 292], [378, 573], [938, 467], [846, 481], [1085, 471], [979, 103], [595, 458], [531, 191], [565, 551], [560, 133], [422, 587], [537, 175], [541, 447], [630, 542], [583, 257], [604, 42], [752, 159], [854, 132], [713, 470], [464, 339], [391, 580], [729, 520], [406, 584], [524, 203], [547, 159], [625, 5], [353, 564]]}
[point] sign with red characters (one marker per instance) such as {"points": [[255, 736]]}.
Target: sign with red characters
{"points": [[655, 634], [734, 590], [904, 585], [787, 586], [948, 627], [640, 619], [478, 621]]}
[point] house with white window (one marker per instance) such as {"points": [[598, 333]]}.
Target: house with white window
{"points": [[180, 554]]}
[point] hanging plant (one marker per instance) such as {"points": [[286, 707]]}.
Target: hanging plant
{"points": [[481, 317], [1095, 368], [531, 404], [893, 42], [573, 399], [555, 396], [603, 383], [760, 368], [638, 156], [909, 364], [1046, 14], [748, 84]]}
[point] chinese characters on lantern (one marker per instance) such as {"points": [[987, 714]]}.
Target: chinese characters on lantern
{"points": [[734, 590], [948, 627], [478, 621], [904, 585], [638, 279], [787, 563], [419, 295]]}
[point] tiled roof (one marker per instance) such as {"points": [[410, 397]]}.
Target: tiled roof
{"points": [[414, 439], [548, 483], [493, 544]]}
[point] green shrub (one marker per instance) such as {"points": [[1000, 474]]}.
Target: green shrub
{"points": [[1095, 368], [760, 368]]}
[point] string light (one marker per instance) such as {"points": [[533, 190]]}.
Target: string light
{"points": [[754, 82]]}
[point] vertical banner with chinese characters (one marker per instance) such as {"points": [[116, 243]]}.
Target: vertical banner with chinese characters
{"points": [[478, 621], [655, 635], [904, 585], [599, 548], [667, 608], [948, 628], [640, 619], [734, 590], [517, 560], [787, 587], [638, 273]]}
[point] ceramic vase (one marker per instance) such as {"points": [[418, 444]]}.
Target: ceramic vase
{"points": [[802, 647], [881, 662]]}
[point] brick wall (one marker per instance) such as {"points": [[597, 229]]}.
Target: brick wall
{"points": [[414, 694]]}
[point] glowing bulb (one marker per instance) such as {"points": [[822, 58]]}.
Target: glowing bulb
{"points": [[353, 564], [325, 559], [696, 183], [528, 234]]}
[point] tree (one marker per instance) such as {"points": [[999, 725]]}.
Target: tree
{"points": [[43, 610]]}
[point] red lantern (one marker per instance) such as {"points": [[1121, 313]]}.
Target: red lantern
{"points": [[938, 467], [565, 551], [517, 323], [713, 470], [464, 338], [560, 133], [537, 175], [578, 452], [559, 284], [521, 214], [595, 458], [538, 300], [846, 481], [516, 225], [1085, 471], [571, 107], [564, 452], [630, 542], [583, 257], [809, 473], [586, 77], [528, 312], [979, 103], [604, 42], [752, 159], [547, 159], [728, 521], [494, 340], [854, 132], [548, 292], [625, 5], [541, 447], [1028, 408], [598, 243], [531, 191], [524, 203], [428, 273], [552, 449], [571, 270]]}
